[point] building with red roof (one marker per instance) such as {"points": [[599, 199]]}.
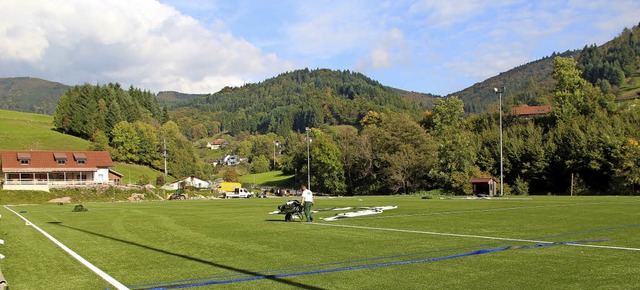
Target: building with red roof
{"points": [[526, 111], [41, 170]]}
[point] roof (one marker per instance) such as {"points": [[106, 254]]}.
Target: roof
{"points": [[526, 110], [116, 173], [481, 180], [47, 161], [217, 142]]}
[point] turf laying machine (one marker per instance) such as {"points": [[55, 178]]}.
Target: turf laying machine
{"points": [[291, 209]]}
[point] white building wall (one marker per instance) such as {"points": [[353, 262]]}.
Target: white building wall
{"points": [[101, 176]]}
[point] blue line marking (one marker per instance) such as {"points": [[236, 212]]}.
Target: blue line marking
{"points": [[158, 284], [478, 252], [367, 266]]}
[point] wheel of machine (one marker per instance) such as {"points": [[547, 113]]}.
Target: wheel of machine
{"points": [[288, 217]]}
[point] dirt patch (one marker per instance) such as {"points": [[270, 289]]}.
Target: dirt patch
{"points": [[136, 197], [65, 199]]}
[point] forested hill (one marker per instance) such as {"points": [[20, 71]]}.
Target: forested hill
{"points": [[528, 83], [302, 98], [30, 95], [614, 67], [170, 98]]}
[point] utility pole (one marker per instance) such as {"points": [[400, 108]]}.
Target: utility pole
{"points": [[275, 144], [164, 155], [499, 91]]}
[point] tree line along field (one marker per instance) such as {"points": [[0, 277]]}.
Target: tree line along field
{"points": [[529, 243], [585, 144]]}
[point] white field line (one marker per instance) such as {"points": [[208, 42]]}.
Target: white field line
{"points": [[82, 260], [490, 210], [469, 236]]}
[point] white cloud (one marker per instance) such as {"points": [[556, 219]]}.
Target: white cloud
{"points": [[445, 13], [142, 42], [388, 51], [331, 28]]}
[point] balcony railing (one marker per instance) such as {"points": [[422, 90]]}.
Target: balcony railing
{"points": [[55, 182]]}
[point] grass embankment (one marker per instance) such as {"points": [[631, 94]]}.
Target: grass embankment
{"points": [[135, 174], [76, 196], [271, 178], [26, 131]]}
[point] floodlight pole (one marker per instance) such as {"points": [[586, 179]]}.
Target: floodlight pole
{"points": [[499, 91], [275, 144], [308, 162], [164, 155]]}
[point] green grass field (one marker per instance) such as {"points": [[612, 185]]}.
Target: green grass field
{"points": [[25, 131], [270, 178], [422, 244]]}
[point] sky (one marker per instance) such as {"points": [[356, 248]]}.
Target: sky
{"points": [[200, 46]]}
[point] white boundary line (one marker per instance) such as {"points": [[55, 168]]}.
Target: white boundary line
{"points": [[82, 260], [491, 209], [471, 236]]}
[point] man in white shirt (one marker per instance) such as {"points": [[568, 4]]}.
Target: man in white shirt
{"points": [[307, 201]]}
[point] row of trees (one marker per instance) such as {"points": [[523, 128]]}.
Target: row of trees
{"points": [[584, 137], [389, 152], [145, 144], [129, 124], [84, 110]]}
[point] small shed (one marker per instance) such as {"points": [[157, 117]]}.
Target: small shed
{"points": [[484, 186]]}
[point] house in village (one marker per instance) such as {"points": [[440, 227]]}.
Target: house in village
{"points": [[530, 111], [190, 181], [42, 170], [216, 144]]}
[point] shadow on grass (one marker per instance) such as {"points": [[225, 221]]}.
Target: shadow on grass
{"points": [[247, 272], [280, 220]]}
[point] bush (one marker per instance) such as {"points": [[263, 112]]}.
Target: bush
{"points": [[160, 180], [520, 187]]}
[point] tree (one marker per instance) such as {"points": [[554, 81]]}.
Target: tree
{"points": [[198, 131], [260, 164], [447, 113], [372, 118], [456, 151], [524, 154], [328, 171], [230, 175], [149, 148], [403, 154], [99, 141], [126, 142], [356, 158], [181, 160]]}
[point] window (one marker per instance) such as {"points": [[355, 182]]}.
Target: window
{"points": [[24, 158], [80, 158], [61, 158]]}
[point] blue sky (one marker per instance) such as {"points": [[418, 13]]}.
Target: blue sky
{"points": [[198, 46]]}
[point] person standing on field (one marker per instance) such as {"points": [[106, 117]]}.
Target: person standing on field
{"points": [[307, 202]]}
